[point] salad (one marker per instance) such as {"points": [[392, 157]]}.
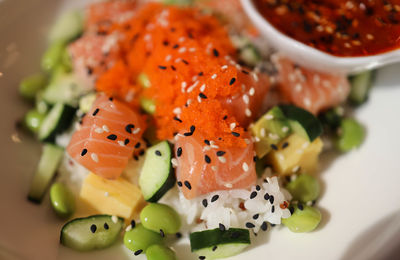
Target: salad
{"points": [[161, 119]]}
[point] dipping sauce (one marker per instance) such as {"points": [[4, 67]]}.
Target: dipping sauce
{"points": [[338, 27]]}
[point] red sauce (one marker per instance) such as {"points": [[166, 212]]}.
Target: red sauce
{"points": [[338, 27]]}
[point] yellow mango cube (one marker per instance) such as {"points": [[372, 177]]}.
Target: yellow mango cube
{"points": [[298, 154], [115, 197]]}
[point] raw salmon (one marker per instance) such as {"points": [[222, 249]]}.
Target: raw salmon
{"points": [[203, 167], [308, 89], [107, 137]]}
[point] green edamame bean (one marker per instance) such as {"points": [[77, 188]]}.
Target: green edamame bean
{"points": [[303, 219], [33, 119], [157, 216], [140, 238], [160, 252], [143, 80], [304, 188], [351, 135], [148, 105], [66, 60], [62, 200], [31, 85], [52, 57]]}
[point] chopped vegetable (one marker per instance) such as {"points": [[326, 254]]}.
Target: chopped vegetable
{"points": [[304, 188]]}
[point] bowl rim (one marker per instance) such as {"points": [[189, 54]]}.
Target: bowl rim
{"points": [[260, 21]]}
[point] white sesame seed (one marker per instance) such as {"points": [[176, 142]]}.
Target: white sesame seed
{"points": [[245, 167], [206, 148], [296, 168], [121, 143], [232, 126], [228, 185], [269, 117], [202, 88], [177, 111], [326, 84], [273, 136], [114, 219], [298, 87], [246, 99], [252, 91], [222, 159], [307, 102], [182, 50], [214, 76], [94, 157], [247, 141], [257, 139], [305, 145], [177, 60], [105, 128], [262, 132], [247, 112], [309, 203], [370, 36], [214, 146], [292, 77], [255, 77], [194, 78], [174, 162], [137, 130], [285, 129], [181, 39], [192, 49], [238, 67], [198, 99], [99, 130], [224, 67], [281, 157], [214, 168], [299, 151], [316, 79], [168, 57], [129, 227]]}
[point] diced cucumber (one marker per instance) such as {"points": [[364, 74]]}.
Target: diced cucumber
{"points": [[53, 56], [64, 88], [157, 175], [360, 86], [90, 233], [86, 102], [46, 169], [147, 105], [68, 27], [57, 120], [143, 80], [269, 130], [351, 135], [302, 122], [217, 243], [30, 86]]}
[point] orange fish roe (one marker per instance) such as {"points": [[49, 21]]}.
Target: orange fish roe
{"points": [[187, 57]]}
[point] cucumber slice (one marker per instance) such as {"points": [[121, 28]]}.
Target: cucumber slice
{"points": [[64, 88], [302, 122], [360, 86], [93, 232], [59, 119], [157, 175], [68, 27], [216, 243], [48, 164]]}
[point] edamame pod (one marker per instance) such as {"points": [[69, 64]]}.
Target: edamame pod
{"points": [[304, 219], [138, 239], [304, 188], [160, 252], [351, 135], [33, 120], [62, 200], [160, 218], [30, 86]]}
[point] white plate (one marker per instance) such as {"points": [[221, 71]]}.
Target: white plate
{"points": [[359, 204]]}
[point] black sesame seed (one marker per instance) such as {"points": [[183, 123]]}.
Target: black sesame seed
{"points": [[300, 206], [291, 209], [266, 196], [205, 203], [220, 153], [158, 153], [274, 147], [201, 95], [254, 158], [273, 225], [137, 145], [179, 183], [192, 128], [215, 52], [187, 184], [173, 68], [111, 98], [250, 225], [112, 137], [129, 128], [271, 199], [138, 252], [255, 216], [258, 188], [162, 233], [106, 227], [264, 226], [133, 223], [185, 61], [235, 134], [232, 81], [225, 117], [253, 195], [206, 142], [126, 141], [93, 228], [273, 209], [136, 158], [235, 235], [84, 151], [178, 235], [215, 198], [214, 248], [179, 152], [207, 159], [96, 111], [265, 180], [284, 145], [202, 257], [176, 46], [89, 70], [165, 43], [188, 134], [162, 67], [141, 152], [201, 73], [221, 227], [245, 72]]}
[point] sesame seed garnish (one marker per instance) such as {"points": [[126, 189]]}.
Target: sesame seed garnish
{"points": [[207, 159], [99, 130], [284, 145], [215, 198], [220, 153], [121, 143], [106, 227], [138, 252], [264, 226], [185, 61], [114, 219], [274, 147], [207, 142], [251, 91], [84, 151], [158, 153], [246, 99], [245, 72], [178, 235], [133, 223], [266, 196], [245, 167], [225, 117], [202, 257], [272, 209], [214, 76], [187, 184], [179, 183], [221, 227], [224, 67], [232, 81], [228, 185], [222, 159], [250, 225], [262, 132], [137, 145], [215, 52], [201, 73], [162, 67], [162, 233], [129, 128], [137, 130], [94, 157], [253, 194], [174, 162], [173, 68], [201, 95], [232, 126], [255, 216], [214, 248], [141, 152], [93, 228], [112, 137], [205, 203], [96, 111], [300, 206], [177, 119], [247, 112], [235, 134], [179, 152], [258, 188], [203, 87], [271, 199]]}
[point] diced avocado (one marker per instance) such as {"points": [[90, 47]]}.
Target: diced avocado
{"points": [[269, 130]]}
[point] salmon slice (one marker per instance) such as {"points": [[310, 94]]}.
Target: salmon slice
{"points": [[308, 89], [107, 137], [203, 168]]}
